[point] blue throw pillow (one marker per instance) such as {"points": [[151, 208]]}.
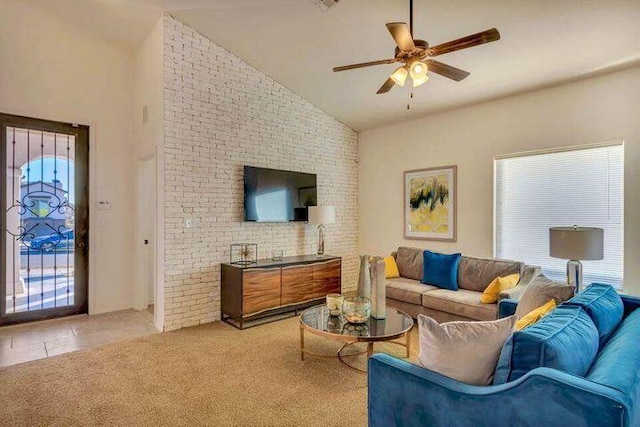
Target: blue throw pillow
{"points": [[566, 339], [440, 270], [603, 304]]}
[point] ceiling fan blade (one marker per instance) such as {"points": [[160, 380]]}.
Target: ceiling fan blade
{"points": [[465, 42], [448, 71], [386, 86], [364, 64], [402, 35]]}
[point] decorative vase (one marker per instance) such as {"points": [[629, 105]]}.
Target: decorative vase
{"points": [[277, 254], [378, 288], [356, 309], [364, 277]]}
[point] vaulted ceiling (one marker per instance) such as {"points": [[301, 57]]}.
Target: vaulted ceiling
{"points": [[544, 42]]}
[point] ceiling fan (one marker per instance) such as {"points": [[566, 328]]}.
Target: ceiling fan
{"points": [[416, 55]]}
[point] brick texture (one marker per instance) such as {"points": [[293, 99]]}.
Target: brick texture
{"points": [[222, 114]]}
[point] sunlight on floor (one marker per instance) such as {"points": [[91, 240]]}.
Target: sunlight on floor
{"points": [[44, 288], [38, 340]]}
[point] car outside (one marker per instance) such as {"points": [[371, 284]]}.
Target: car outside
{"points": [[54, 241]]}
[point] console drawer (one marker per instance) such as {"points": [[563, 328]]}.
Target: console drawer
{"points": [[260, 290], [297, 284]]}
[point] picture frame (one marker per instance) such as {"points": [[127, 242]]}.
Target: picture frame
{"points": [[430, 203]]}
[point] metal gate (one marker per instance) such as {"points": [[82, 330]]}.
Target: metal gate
{"points": [[45, 219]]}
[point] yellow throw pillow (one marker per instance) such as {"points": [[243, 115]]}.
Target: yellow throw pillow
{"points": [[390, 267], [499, 284], [535, 315]]}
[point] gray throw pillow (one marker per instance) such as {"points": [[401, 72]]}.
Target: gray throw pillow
{"points": [[539, 291], [465, 351], [409, 262]]}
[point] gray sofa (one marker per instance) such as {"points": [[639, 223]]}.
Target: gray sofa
{"points": [[474, 275]]}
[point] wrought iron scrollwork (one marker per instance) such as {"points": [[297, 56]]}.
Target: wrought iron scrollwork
{"points": [[26, 204]]}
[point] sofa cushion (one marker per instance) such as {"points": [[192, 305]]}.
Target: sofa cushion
{"points": [[407, 290], [566, 339], [461, 302], [603, 304], [497, 286], [441, 270], [475, 274], [618, 363], [446, 348], [390, 267], [540, 291], [409, 262]]}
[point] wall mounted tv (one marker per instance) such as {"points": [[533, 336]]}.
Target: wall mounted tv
{"points": [[272, 195]]}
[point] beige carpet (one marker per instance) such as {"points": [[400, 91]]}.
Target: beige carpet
{"points": [[207, 375]]}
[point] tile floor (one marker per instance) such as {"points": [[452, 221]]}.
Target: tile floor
{"points": [[38, 340]]}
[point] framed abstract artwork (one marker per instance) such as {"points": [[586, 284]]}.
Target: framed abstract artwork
{"points": [[430, 203]]}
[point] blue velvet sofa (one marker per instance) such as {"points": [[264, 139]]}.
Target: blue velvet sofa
{"points": [[590, 374]]}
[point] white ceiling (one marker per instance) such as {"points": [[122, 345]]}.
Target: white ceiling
{"points": [[544, 42]]}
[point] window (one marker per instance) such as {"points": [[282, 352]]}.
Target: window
{"points": [[41, 207], [581, 186]]}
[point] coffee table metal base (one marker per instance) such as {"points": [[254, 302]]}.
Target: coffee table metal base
{"points": [[369, 350]]}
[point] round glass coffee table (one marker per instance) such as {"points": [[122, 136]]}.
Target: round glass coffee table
{"points": [[317, 320]]}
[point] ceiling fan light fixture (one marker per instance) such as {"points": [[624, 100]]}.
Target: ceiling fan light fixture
{"points": [[399, 76], [416, 55], [418, 70], [419, 81]]}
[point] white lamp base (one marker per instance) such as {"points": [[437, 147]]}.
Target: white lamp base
{"points": [[574, 274], [320, 251]]}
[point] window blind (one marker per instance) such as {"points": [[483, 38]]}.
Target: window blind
{"points": [[584, 187]]}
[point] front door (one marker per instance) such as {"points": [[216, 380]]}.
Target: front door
{"points": [[45, 219]]}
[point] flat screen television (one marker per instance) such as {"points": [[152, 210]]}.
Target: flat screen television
{"points": [[272, 195]]}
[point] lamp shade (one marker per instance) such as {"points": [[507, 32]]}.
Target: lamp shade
{"points": [[419, 81], [576, 243], [399, 76], [418, 70], [322, 214]]}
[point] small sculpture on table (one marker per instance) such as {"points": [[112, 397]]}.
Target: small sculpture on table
{"points": [[244, 253]]}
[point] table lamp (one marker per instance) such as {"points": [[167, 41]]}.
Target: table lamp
{"points": [[575, 244], [321, 215]]}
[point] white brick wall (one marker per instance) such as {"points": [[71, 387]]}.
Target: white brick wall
{"points": [[222, 114]]}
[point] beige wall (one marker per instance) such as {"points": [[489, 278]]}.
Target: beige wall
{"points": [[598, 109], [50, 69], [148, 91], [149, 137], [221, 114]]}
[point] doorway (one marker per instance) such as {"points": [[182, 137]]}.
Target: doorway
{"points": [[146, 237], [44, 235]]}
